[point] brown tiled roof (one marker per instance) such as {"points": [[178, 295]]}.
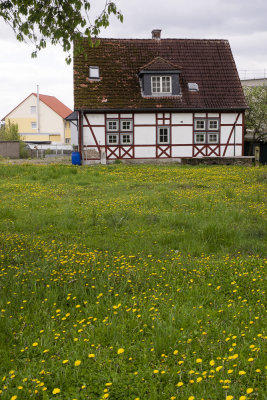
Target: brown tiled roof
{"points": [[159, 64], [209, 63]]}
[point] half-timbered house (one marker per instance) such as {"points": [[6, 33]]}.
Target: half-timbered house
{"points": [[158, 99]]}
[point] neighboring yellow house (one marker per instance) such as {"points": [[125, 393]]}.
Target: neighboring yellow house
{"points": [[41, 121]]}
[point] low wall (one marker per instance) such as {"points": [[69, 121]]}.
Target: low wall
{"points": [[9, 149]]}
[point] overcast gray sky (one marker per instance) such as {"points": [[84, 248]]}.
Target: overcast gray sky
{"points": [[242, 22]]}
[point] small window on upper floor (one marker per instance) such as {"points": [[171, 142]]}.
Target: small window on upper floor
{"points": [[94, 73], [33, 109], [161, 84], [213, 124], [34, 125], [200, 124]]}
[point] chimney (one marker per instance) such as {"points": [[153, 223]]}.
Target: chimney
{"points": [[156, 34]]}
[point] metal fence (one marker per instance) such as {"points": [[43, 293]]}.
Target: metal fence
{"points": [[246, 74]]}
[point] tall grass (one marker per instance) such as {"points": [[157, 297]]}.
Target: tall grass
{"points": [[132, 282]]}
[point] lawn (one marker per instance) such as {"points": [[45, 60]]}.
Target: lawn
{"points": [[136, 282]]}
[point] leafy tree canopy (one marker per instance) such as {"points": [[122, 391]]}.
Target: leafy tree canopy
{"points": [[256, 115], [58, 21]]}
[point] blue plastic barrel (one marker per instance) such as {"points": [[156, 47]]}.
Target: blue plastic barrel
{"points": [[75, 158]]}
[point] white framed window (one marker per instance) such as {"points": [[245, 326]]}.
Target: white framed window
{"points": [[164, 135], [161, 84], [200, 125], [112, 125], [126, 138], [213, 138], [33, 109], [34, 125], [126, 125], [113, 139], [200, 138], [67, 140], [213, 124], [94, 72]]}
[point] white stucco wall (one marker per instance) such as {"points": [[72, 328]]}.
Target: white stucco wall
{"points": [[181, 134]]}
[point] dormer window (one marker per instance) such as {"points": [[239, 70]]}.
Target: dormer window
{"points": [[94, 73], [161, 84]]}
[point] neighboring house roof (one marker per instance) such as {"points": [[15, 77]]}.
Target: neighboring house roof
{"points": [[55, 104], [52, 102], [209, 63]]}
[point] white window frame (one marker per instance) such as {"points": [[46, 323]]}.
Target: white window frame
{"points": [[126, 134], [196, 141], [131, 125], [160, 77], [212, 128], [168, 133], [111, 129], [213, 133], [34, 125], [200, 120], [117, 139], [33, 109], [94, 72]]}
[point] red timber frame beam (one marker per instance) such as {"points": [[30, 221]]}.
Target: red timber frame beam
{"points": [[232, 130], [92, 132]]}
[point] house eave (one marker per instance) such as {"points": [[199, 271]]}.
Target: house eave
{"points": [[159, 109]]}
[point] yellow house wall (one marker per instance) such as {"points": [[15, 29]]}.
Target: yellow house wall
{"points": [[35, 138], [49, 122], [67, 130]]}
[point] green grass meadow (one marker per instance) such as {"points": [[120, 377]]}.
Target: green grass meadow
{"points": [[133, 282]]}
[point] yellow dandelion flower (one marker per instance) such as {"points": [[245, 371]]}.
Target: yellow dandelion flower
{"points": [[156, 371], [175, 352], [56, 391], [249, 390], [108, 384], [199, 360], [242, 397], [199, 379], [77, 363], [242, 373], [120, 351], [179, 384], [65, 361], [91, 355], [191, 398], [35, 344], [212, 362], [14, 397], [229, 397]]}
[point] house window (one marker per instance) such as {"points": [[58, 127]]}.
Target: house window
{"points": [[200, 138], [113, 139], [164, 135], [213, 138], [112, 125], [34, 125], [213, 124], [199, 124], [33, 109], [67, 140], [126, 139], [126, 125], [94, 73], [161, 84]]}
